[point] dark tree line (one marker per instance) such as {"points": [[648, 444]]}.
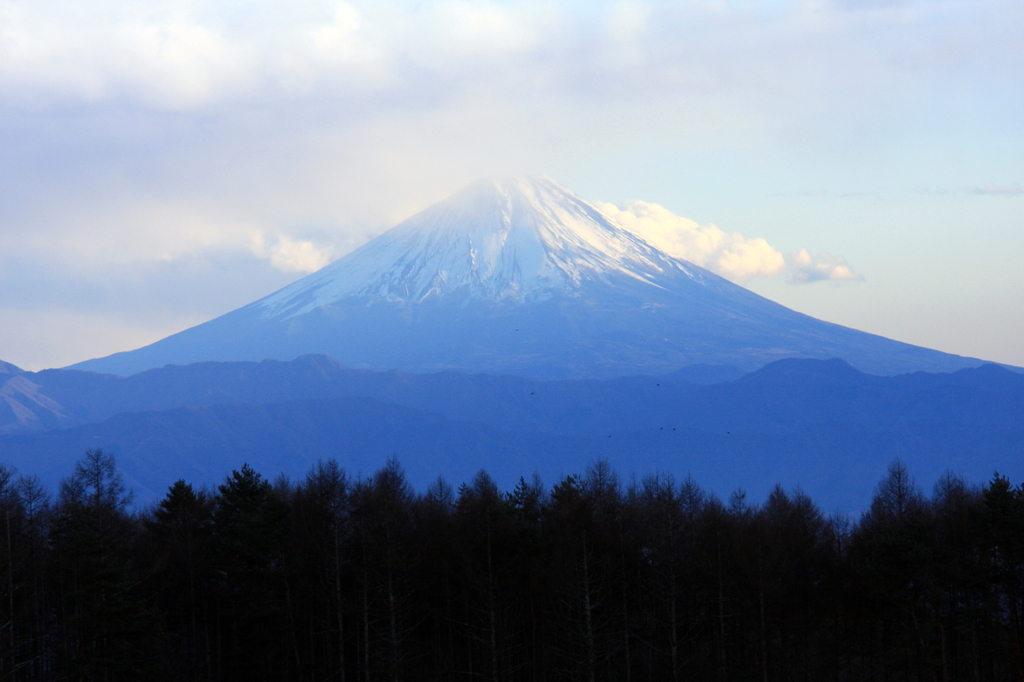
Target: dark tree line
{"points": [[365, 580]]}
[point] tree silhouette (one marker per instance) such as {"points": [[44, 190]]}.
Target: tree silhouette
{"points": [[109, 632]]}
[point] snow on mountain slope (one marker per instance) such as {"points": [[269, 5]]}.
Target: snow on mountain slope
{"points": [[521, 277], [24, 407], [509, 240]]}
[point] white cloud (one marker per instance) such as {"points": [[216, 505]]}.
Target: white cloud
{"points": [[338, 38], [733, 256], [289, 255], [802, 267], [747, 257], [481, 28], [194, 55], [162, 58], [730, 255], [180, 55]]}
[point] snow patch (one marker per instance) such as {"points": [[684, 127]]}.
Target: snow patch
{"points": [[510, 241]]}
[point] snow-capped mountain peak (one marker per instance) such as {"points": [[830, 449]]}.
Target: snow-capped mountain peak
{"points": [[521, 277], [511, 240]]}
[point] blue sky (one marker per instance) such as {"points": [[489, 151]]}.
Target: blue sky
{"points": [[164, 162]]}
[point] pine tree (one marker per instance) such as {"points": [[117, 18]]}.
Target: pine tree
{"points": [[109, 633], [1004, 538], [384, 528], [321, 510], [179, 531]]}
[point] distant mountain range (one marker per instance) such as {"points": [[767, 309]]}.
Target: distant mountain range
{"points": [[521, 277], [517, 328], [819, 424]]}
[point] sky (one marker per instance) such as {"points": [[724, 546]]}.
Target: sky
{"points": [[167, 161]]}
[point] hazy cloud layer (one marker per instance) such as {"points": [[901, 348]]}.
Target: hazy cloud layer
{"points": [[176, 146], [207, 56], [998, 191]]}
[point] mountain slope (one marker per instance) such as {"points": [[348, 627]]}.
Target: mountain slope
{"points": [[7, 368], [521, 277], [24, 406]]}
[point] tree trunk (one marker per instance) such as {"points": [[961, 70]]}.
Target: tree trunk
{"points": [[338, 605], [588, 618]]}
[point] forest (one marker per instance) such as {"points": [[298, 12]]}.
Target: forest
{"points": [[364, 579]]}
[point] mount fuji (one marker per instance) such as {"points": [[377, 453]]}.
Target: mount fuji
{"points": [[521, 277]]}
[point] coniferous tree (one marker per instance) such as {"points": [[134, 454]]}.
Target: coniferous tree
{"points": [[108, 631], [1004, 540], [530, 582], [321, 510], [489, 554], [250, 550], [11, 513], [661, 519], [960, 597], [893, 552], [23, 508], [383, 530], [441, 580], [179, 530], [332, 580], [32, 552], [793, 550], [585, 535]]}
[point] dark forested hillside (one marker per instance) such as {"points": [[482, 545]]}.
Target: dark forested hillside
{"points": [[336, 577]]}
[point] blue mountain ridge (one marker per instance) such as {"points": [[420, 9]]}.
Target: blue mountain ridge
{"points": [[821, 425]]}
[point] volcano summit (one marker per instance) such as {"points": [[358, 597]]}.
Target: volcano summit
{"points": [[521, 277]]}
